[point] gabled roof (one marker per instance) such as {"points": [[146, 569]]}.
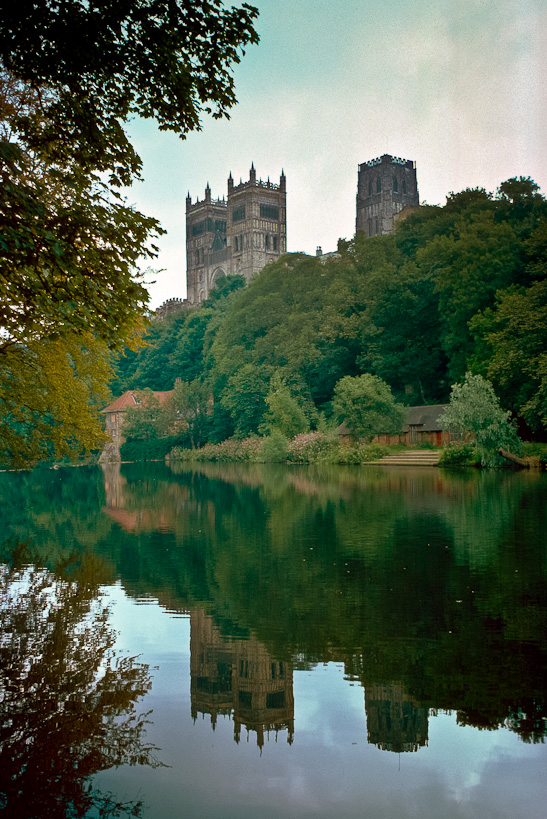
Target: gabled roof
{"points": [[426, 417], [129, 399]]}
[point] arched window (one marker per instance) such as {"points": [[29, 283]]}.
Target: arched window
{"points": [[370, 187], [395, 185], [275, 242], [370, 227], [197, 256], [404, 185], [378, 185], [267, 241], [376, 224], [236, 244]]}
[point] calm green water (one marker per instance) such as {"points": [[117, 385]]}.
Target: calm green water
{"points": [[260, 641]]}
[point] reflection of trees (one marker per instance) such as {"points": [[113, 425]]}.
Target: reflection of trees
{"points": [[435, 581], [67, 701], [432, 579], [429, 578]]}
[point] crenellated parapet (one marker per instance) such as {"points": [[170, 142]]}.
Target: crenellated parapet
{"points": [[388, 159], [387, 186], [169, 307], [237, 234]]}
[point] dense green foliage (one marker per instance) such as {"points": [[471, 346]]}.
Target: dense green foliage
{"points": [[51, 392], [72, 75], [367, 405], [474, 413], [457, 288], [149, 449]]}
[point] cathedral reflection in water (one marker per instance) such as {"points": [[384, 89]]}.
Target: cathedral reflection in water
{"points": [[240, 679], [394, 722]]}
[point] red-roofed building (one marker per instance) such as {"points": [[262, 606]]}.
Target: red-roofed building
{"points": [[115, 412]]}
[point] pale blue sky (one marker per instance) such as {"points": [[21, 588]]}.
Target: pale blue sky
{"points": [[459, 86]]}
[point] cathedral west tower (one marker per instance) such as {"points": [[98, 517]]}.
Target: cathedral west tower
{"points": [[240, 234]]}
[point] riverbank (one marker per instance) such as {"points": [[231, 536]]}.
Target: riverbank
{"points": [[320, 447]]}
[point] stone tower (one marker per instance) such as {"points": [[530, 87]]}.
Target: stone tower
{"points": [[385, 187], [394, 722], [206, 250], [238, 235]]}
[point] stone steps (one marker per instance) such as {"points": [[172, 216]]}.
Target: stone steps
{"points": [[417, 457]]}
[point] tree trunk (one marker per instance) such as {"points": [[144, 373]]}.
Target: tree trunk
{"points": [[514, 459]]}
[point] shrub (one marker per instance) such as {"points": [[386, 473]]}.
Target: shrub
{"points": [[233, 449], [308, 447], [459, 455], [153, 449], [355, 453], [373, 452], [178, 453], [275, 448]]}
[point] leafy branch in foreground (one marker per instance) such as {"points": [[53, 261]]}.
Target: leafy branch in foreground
{"points": [[50, 395], [104, 62], [72, 75]]}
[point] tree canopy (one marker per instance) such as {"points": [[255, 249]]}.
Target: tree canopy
{"points": [[455, 289], [103, 62], [475, 413], [367, 405], [72, 75]]}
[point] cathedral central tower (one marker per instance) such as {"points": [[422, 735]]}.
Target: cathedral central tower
{"points": [[385, 187]]}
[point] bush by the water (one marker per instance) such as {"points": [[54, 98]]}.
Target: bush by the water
{"points": [[150, 450], [306, 448], [233, 449], [275, 448], [355, 453], [460, 455]]}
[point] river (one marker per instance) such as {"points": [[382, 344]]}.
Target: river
{"points": [[233, 641]]}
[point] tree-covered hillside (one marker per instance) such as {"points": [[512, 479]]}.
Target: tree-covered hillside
{"points": [[456, 288]]}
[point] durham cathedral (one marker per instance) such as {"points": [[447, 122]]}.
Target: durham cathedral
{"points": [[239, 234], [244, 231]]}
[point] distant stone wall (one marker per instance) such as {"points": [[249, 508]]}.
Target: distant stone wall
{"points": [[171, 306]]}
